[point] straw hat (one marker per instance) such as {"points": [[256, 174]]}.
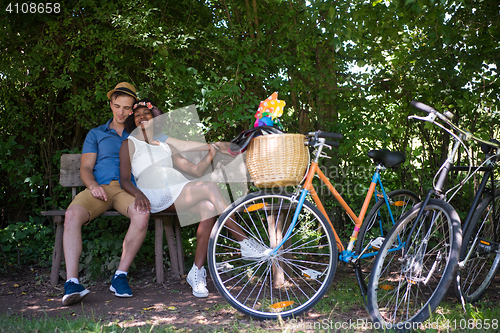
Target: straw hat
{"points": [[123, 87]]}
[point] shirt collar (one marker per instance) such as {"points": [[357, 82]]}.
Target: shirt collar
{"points": [[109, 123], [125, 134]]}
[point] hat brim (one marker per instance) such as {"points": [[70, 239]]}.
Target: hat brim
{"points": [[123, 90]]}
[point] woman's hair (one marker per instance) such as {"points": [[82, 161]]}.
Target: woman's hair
{"points": [[144, 103]]}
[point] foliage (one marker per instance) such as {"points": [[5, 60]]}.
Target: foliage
{"points": [[350, 66], [26, 243]]}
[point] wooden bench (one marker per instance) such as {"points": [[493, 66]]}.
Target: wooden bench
{"points": [[225, 169]]}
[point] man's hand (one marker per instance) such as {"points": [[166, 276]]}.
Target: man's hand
{"points": [[98, 193], [142, 204]]}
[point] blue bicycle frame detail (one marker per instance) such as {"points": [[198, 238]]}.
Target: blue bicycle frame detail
{"points": [[346, 255], [302, 198]]}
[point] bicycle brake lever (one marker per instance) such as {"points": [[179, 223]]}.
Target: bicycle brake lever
{"points": [[430, 118], [323, 155]]}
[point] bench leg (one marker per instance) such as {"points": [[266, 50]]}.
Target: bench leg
{"points": [[176, 266], [159, 250], [58, 251], [180, 251]]}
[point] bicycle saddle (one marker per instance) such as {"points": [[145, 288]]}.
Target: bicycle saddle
{"points": [[390, 159]]}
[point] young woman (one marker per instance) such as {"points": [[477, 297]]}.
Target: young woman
{"points": [[161, 187]]}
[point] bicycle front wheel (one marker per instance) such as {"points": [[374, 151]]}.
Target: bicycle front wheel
{"points": [[415, 266], [285, 283], [480, 250], [377, 224]]}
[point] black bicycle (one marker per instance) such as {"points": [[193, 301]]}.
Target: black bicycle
{"points": [[406, 286]]}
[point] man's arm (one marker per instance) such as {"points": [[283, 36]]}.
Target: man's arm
{"points": [[87, 176]]}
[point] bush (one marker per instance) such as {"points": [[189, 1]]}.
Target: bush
{"points": [[25, 243]]}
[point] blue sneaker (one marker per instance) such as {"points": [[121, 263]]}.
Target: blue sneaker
{"points": [[119, 285], [73, 293]]}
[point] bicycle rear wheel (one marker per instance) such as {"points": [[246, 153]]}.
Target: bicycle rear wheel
{"points": [[378, 222], [415, 266], [283, 284], [481, 246]]}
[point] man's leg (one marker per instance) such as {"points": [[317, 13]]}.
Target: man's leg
{"points": [[134, 238], [78, 213], [136, 233], [76, 217]]}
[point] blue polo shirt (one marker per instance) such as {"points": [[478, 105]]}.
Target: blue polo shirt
{"points": [[106, 143]]}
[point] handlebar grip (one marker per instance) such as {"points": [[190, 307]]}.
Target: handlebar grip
{"points": [[422, 106], [486, 148], [332, 143], [330, 135]]}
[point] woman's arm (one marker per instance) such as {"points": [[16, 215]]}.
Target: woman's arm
{"points": [[196, 170], [142, 203], [182, 145]]}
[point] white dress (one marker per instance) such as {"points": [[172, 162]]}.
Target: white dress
{"points": [[155, 175]]}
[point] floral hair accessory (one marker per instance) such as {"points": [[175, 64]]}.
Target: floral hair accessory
{"points": [[148, 105]]}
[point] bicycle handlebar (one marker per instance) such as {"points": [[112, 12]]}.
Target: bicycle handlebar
{"points": [[447, 119], [321, 134], [332, 143], [422, 107], [330, 135]]}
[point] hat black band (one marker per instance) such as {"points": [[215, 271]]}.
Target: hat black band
{"points": [[126, 90]]}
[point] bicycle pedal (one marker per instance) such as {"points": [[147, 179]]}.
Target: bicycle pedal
{"points": [[223, 266], [414, 280], [311, 273], [485, 247], [377, 242]]}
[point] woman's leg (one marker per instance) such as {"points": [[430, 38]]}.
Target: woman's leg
{"points": [[207, 211], [193, 194], [196, 192]]}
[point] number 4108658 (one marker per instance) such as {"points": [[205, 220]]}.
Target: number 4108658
{"points": [[34, 8]]}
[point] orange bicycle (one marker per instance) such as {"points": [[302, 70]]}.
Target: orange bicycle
{"points": [[298, 244]]}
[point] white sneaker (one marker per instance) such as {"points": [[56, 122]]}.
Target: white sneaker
{"points": [[251, 249], [197, 279]]}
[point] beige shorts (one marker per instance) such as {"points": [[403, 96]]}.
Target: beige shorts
{"points": [[118, 199]]}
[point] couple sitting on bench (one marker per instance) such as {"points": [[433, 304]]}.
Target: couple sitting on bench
{"points": [[110, 156]]}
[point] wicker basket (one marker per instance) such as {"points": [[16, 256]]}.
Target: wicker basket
{"points": [[277, 160]]}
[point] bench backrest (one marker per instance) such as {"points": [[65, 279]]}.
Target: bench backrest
{"points": [[225, 169]]}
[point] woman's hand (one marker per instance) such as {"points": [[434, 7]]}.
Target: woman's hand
{"points": [[142, 204], [212, 150], [222, 147]]}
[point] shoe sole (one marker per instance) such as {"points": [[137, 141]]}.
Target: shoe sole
{"points": [[119, 295], [74, 297], [199, 295]]}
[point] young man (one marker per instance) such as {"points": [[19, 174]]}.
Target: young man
{"points": [[100, 172]]}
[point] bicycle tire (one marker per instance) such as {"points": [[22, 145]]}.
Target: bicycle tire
{"points": [[483, 233], [400, 202], [407, 284], [286, 284]]}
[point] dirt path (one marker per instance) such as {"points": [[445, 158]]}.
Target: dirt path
{"points": [[27, 292]]}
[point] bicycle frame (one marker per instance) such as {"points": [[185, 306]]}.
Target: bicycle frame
{"points": [[448, 166], [345, 255]]}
